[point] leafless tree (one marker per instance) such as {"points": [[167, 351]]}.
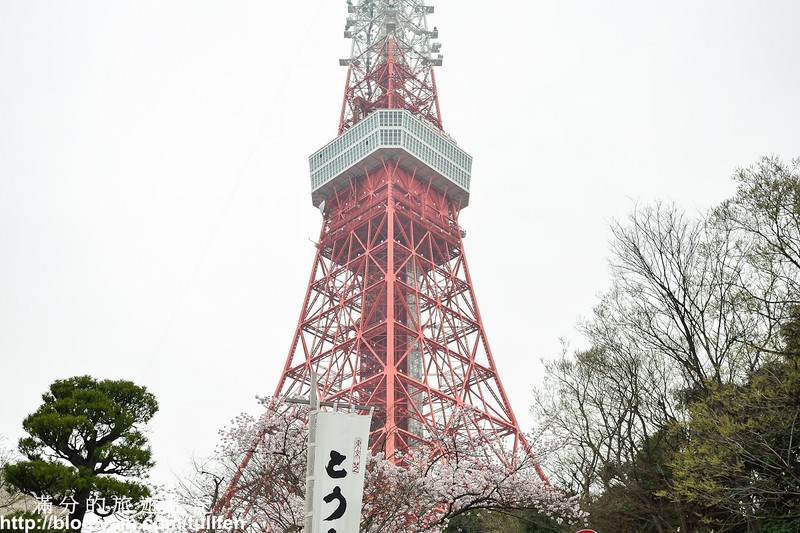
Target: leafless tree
{"points": [[675, 320], [765, 214]]}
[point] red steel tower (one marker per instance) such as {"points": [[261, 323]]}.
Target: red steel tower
{"points": [[390, 318]]}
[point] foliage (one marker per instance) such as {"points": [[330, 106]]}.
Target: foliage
{"points": [[683, 413], [742, 450], [86, 443], [667, 326], [506, 521], [485, 521]]}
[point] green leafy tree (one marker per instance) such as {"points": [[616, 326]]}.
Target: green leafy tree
{"points": [[86, 446], [742, 451]]}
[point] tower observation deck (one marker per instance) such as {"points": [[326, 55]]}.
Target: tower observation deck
{"points": [[394, 134]]}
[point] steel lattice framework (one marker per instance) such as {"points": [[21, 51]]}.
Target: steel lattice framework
{"points": [[390, 317], [391, 61]]}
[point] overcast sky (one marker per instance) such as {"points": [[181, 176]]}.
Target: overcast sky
{"points": [[155, 212]]}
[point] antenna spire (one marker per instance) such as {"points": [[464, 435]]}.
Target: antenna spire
{"points": [[391, 61]]}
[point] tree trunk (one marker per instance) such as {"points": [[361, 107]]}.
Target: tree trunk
{"points": [[658, 525], [79, 512], [752, 525], [685, 527]]}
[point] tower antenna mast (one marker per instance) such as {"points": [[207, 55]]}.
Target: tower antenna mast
{"points": [[391, 60]]}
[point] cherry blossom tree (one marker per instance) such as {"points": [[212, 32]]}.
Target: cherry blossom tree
{"points": [[419, 491]]}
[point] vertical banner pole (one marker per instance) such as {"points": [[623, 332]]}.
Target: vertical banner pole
{"points": [[308, 524]]}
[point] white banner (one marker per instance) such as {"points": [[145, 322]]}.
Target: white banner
{"points": [[339, 464]]}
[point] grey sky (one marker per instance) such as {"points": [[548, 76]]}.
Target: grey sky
{"points": [[155, 210]]}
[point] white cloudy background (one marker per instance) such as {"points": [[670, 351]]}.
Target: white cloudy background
{"points": [[155, 213]]}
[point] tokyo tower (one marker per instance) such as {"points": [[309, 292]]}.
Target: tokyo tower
{"points": [[389, 317]]}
